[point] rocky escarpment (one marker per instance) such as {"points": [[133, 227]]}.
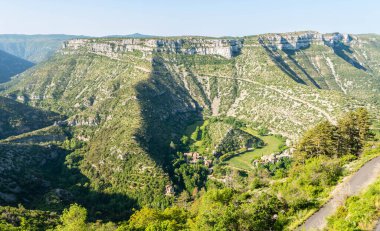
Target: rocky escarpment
{"points": [[227, 48], [300, 40]]}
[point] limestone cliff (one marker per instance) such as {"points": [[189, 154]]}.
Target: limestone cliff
{"points": [[226, 48], [300, 40], [202, 46]]}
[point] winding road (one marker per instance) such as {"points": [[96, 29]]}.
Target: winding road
{"points": [[286, 95], [350, 186]]}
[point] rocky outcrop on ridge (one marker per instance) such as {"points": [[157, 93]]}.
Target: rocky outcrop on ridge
{"points": [[227, 48]]}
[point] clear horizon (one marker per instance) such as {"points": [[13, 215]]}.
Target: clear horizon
{"points": [[169, 18]]}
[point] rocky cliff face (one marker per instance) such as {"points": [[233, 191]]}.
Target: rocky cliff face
{"points": [[220, 86], [300, 40], [227, 48], [223, 47]]}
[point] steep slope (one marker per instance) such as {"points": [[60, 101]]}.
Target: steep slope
{"points": [[17, 118], [25, 171], [117, 107], [127, 99], [345, 63], [11, 65], [222, 75], [34, 48]]}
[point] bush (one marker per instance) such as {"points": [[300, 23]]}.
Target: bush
{"points": [[359, 212], [263, 131], [73, 219]]}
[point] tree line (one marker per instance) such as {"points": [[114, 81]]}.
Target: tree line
{"points": [[346, 137]]}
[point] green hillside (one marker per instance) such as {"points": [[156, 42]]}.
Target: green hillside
{"points": [[17, 118], [129, 114]]}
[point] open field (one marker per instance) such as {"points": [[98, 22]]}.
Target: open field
{"points": [[244, 160]]}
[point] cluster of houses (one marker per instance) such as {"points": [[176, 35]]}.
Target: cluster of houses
{"points": [[194, 157], [273, 158]]}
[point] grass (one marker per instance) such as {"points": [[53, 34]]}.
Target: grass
{"points": [[217, 129], [371, 151], [376, 131], [191, 131], [191, 128], [359, 212], [244, 160]]}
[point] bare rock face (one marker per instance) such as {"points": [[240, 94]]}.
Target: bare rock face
{"points": [[296, 41], [227, 48]]}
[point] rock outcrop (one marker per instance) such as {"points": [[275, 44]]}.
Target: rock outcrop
{"points": [[301, 40], [227, 48]]}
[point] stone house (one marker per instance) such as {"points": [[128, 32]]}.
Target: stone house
{"points": [[169, 190], [192, 157]]}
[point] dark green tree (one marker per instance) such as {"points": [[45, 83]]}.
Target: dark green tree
{"points": [[320, 140]]}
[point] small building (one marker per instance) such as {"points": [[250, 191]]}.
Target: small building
{"points": [[169, 190], [269, 158], [273, 158], [193, 157]]}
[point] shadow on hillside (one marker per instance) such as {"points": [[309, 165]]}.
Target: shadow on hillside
{"points": [[280, 63], [11, 65], [166, 109], [341, 50], [290, 53], [40, 179], [17, 118]]}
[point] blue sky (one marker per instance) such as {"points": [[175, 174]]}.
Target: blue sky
{"points": [[192, 17]]}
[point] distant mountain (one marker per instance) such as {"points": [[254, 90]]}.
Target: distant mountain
{"points": [[135, 35], [34, 48], [11, 65], [38, 48]]}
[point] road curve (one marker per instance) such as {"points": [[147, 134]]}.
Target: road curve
{"points": [[350, 186], [294, 98], [378, 226]]}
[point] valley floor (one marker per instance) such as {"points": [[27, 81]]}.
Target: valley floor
{"points": [[244, 160]]}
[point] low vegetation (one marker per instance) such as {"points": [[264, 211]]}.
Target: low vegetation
{"points": [[359, 212], [108, 133]]}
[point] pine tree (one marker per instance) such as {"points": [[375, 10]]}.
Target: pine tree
{"points": [[363, 120], [320, 140], [349, 134]]}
